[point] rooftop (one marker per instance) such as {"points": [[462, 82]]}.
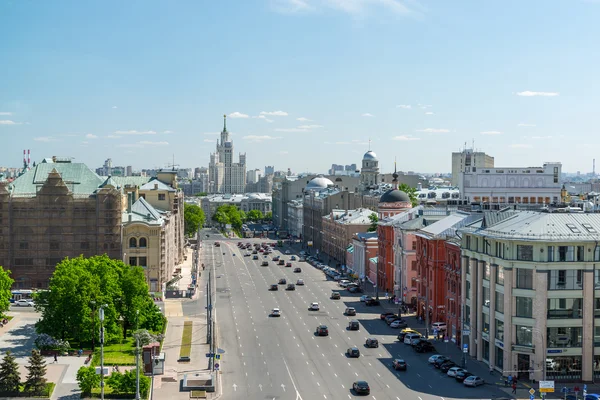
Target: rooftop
{"points": [[351, 217]]}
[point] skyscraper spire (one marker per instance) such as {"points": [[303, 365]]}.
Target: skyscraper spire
{"points": [[395, 175], [224, 122]]}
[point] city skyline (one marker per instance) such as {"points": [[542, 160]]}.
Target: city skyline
{"points": [[305, 83]]}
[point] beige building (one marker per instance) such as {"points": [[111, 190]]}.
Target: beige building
{"points": [[340, 227], [531, 294], [469, 160]]}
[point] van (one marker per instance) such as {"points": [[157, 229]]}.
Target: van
{"points": [[410, 337], [439, 326]]}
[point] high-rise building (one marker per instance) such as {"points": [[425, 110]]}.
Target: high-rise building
{"points": [[269, 170], [469, 160], [253, 175], [225, 175]]}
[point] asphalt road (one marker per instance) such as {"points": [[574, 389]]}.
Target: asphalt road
{"points": [[281, 358]]}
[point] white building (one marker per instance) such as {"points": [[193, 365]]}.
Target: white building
{"points": [[531, 185], [531, 294], [295, 218], [253, 175], [469, 160], [369, 171], [225, 175], [245, 202]]}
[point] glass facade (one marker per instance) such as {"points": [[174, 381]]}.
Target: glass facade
{"points": [[564, 337], [564, 368], [565, 279], [500, 275], [565, 308], [499, 358], [486, 323], [467, 314], [524, 278], [486, 350], [500, 330], [499, 302], [486, 271], [524, 307], [524, 335], [486, 297]]}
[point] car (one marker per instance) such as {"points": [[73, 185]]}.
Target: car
{"points": [[254, 252], [322, 330], [473, 381], [447, 365], [265, 264], [275, 258], [385, 315], [281, 262], [247, 254], [255, 258], [353, 352], [399, 364], [288, 264], [290, 286], [353, 325], [275, 312], [344, 282], [300, 282], [372, 302], [274, 287], [335, 296], [441, 361], [453, 371], [261, 250], [424, 346], [462, 375], [355, 289], [390, 318], [350, 311], [439, 326], [314, 306], [282, 281], [361, 387], [297, 270], [337, 277], [293, 258], [364, 298], [372, 342], [24, 303], [287, 252], [434, 358], [398, 323], [411, 338]]}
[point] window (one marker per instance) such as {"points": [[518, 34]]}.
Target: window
{"points": [[143, 242], [499, 250], [524, 278], [486, 271], [500, 275], [564, 308], [486, 297], [414, 244], [54, 246], [580, 253], [467, 315], [23, 245], [132, 242], [564, 337], [500, 330], [467, 265], [413, 283], [565, 253], [550, 253], [525, 252], [476, 244], [142, 261], [565, 279], [524, 307], [85, 245], [468, 244], [133, 261], [524, 335], [486, 323], [499, 302], [413, 265], [161, 196], [468, 289], [597, 279], [597, 253]]}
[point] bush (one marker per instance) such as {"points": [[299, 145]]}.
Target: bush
{"points": [[124, 383], [47, 342], [88, 379]]}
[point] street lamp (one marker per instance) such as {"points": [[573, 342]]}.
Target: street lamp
{"points": [[543, 348], [137, 356], [101, 317]]}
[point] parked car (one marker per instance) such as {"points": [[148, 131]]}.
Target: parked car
{"points": [[355, 289], [398, 323], [385, 315], [462, 375], [424, 346], [453, 371], [364, 298], [399, 364], [447, 365], [439, 326], [372, 342], [389, 319], [473, 381], [372, 302], [437, 357]]}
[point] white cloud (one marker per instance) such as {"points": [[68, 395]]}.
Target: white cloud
{"points": [[541, 137], [8, 122], [114, 137], [522, 124], [148, 143], [257, 138], [7, 113], [114, 107], [134, 132], [529, 93], [91, 136], [284, 152], [126, 145], [405, 138], [290, 130], [520, 146], [168, 132], [274, 113], [302, 119], [44, 139], [263, 118], [310, 126], [210, 140], [491, 133], [425, 106], [433, 130], [237, 114], [428, 113], [404, 106], [211, 133], [367, 115]]}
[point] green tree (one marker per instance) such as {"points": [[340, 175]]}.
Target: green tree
{"points": [[374, 219], [221, 217], [201, 194], [10, 380], [88, 379], [125, 383], [411, 192], [255, 215], [36, 379], [269, 216], [193, 219], [5, 295]]}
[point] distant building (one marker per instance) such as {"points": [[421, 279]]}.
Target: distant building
{"points": [[225, 175], [369, 172], [108, 169], [269, 170], [364, 248], [245, 202], [469, 161], [253, 175], [339, 226], [295, 220], [185, 173]]}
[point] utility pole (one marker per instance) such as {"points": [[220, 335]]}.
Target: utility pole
{"points": [[462, 332], [101, 311], [152, 366], [377, 282], [137, 357]]}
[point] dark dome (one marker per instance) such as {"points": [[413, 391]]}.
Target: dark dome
{"points": [[394, 196]]}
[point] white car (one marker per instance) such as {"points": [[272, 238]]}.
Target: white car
{"points": [[287, 252], [24, 303], [300, 282], [438, 326], [473, 381], [314, 306], [364, 298], [398, 324], [433, 358], [453, 371], [344, 282], [276, 312]]}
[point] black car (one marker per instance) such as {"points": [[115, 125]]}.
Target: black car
{"points": [[353, 352], [290, 286], [282, 281], [335, 296], [372, 342], [361, 387], [372, 302], [462, 375], [274, 287], [322, 330], [399, 364], [355, 289], [424, 347], [385, 315], [265, 264], [440, 360], [391, 319], [353, 325], [447, 365]]}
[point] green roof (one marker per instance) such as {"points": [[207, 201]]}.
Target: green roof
{"points": [[121, 181], [142, 211]]}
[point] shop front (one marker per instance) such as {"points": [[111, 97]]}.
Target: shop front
{"points": [[563, 368]]}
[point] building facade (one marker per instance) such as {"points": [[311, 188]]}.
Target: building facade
{"points": [[225, 175], [245, 202], [339, 226], [364, 248], [369, 172], [469, 160], [295, 219]]}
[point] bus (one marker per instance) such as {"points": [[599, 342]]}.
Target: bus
{"points": [[21, 294]]}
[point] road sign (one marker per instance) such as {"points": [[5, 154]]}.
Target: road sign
{"points": [[531, 397], [465, 348], [547, 386], [220, 351], [209, 355], [466, 332], [532, 391], [217, 366]]}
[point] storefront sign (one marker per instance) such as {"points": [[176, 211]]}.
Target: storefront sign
{"points": [[522, 349], [554, 351]]}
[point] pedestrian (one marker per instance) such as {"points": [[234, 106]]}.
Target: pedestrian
{"points": [[514, 388], [491, 370], [510, 379], [55, 358]]}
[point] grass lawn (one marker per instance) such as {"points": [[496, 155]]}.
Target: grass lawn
{"points": [[186, 340], [119, 353]]}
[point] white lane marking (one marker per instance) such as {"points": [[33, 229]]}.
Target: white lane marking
{"points": [[318, 384], [356, 374]]}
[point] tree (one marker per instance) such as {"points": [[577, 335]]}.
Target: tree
{"points": [[411, 192], [201, 194], [374, 219], [255, 215], [269, 216], [36, 379], [125, 383], [229, 215], [10, 380], [5, 295], [88, 379], [193, 219]]}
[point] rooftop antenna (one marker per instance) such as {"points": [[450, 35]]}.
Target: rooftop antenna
{"points": [[369, 144]]}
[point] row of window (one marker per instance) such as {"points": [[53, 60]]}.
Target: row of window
{"points": [[142, 243], [562, 279]]}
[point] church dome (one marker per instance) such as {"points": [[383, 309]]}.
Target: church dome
{"points": [[370, 155], [319, 182], [394, 196]]}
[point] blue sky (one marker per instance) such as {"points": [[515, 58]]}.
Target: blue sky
{"points": [[141, 81]]}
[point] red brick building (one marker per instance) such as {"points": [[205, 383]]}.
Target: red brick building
{"points": [[452, 270]]}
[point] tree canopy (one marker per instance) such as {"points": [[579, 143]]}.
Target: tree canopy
{"points": [[374, 219], [229, 214], [255, 215], [193, 218], [80, 286], [5, 295], [411, 192], [269, 216]]}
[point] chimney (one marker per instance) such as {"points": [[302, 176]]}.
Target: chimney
{"points": [[419, 186], [129, 203]]}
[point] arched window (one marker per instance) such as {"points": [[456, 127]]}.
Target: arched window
{"points": [[132, 242], [143, 242]]}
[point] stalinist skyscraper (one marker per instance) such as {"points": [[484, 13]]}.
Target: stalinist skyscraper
{"points": [[224, 175]]}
